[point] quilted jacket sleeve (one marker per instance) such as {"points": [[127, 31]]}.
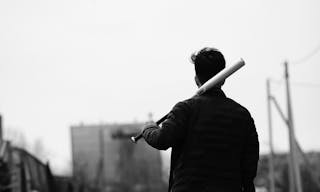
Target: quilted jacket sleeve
{"points": [[173, 129]]}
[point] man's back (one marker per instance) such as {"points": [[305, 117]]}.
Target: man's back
{"points": [[215, 149]]}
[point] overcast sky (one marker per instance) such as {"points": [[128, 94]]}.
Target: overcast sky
{"points": [[63, 62]]}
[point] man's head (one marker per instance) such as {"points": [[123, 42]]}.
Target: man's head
{"points": [[207, 62]]}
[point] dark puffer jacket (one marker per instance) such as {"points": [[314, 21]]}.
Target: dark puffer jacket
{"points": [[214, 144]]}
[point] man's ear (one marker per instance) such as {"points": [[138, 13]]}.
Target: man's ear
{"points": [[197, 81]]}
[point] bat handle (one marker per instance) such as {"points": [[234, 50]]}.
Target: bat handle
{"points": [[135, 139]]}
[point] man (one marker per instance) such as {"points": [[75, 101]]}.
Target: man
{"points": [[214, 140]]}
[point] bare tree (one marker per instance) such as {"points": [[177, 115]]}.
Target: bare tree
{"points": [[16, 137], [38, 149]]}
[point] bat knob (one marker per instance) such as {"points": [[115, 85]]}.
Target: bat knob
{"points": [[133, 139]]}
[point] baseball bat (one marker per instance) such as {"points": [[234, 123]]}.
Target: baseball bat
{"points": [[222, 75]]}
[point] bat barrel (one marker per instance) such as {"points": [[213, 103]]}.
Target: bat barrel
{"points": [[222, 75]]}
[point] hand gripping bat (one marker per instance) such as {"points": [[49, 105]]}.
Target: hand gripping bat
{"points": [[221, 76]]}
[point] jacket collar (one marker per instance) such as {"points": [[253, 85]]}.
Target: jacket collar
{"points": [[216, 92]]}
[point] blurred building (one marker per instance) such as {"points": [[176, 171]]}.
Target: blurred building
{"points": [[104, 159]]}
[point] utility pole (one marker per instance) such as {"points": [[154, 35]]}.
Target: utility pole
{"points": [[271, 154], [292, 141], [290, 167]]}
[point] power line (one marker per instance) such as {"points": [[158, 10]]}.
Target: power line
{"points": [[296, 83], [306, 57], [306, 84]]}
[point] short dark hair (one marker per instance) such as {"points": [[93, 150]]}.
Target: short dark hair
{"points": [[208, 62]]}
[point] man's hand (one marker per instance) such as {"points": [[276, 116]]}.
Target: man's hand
{"points": [[148, 125]]}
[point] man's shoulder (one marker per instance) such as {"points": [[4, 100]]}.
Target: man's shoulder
{"points": [[238, 107], [234, 106], [187, 103]]}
